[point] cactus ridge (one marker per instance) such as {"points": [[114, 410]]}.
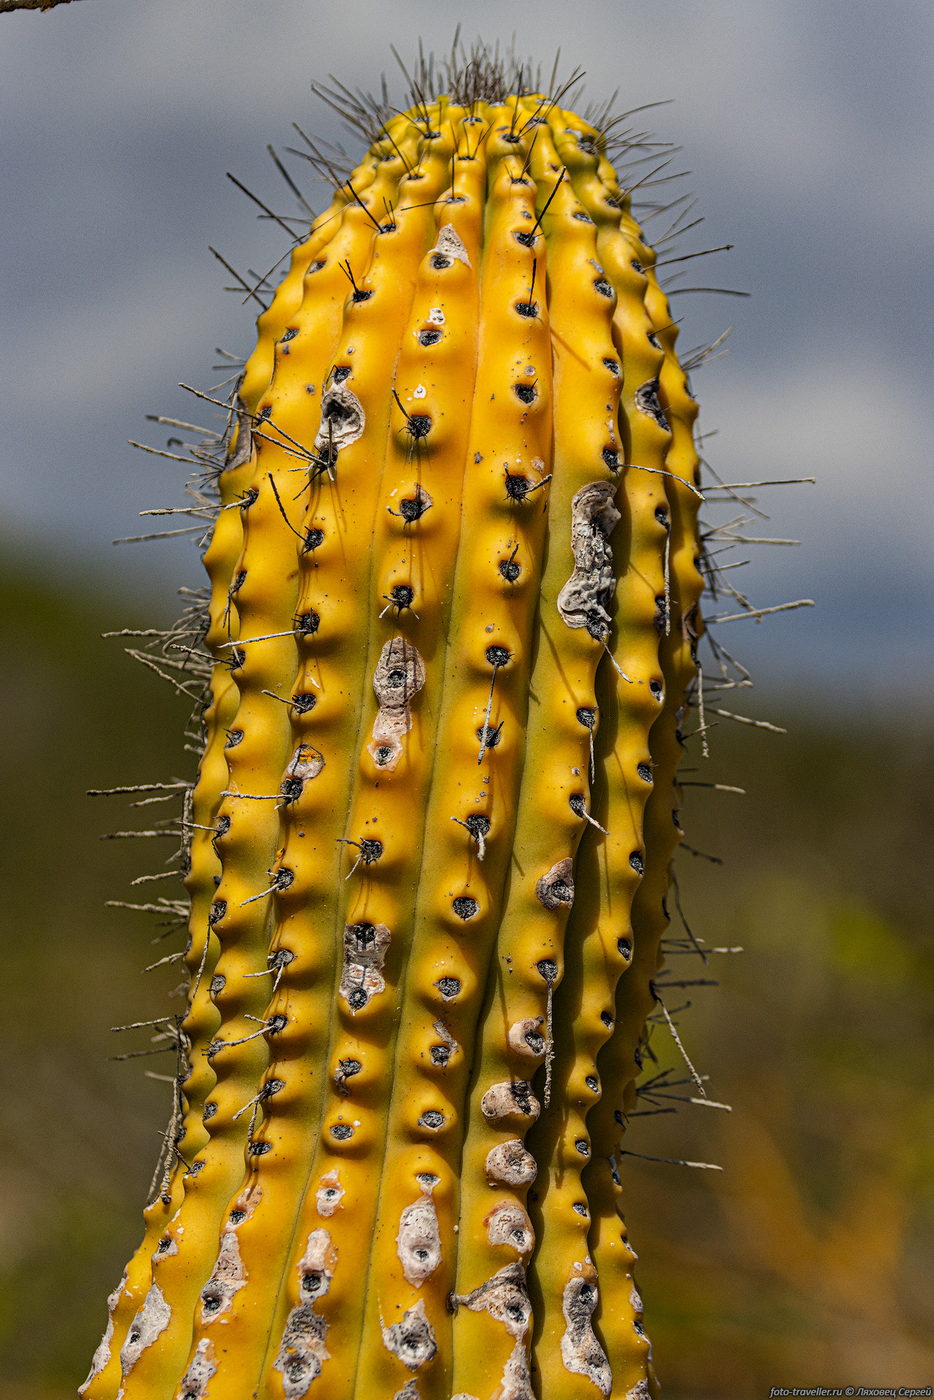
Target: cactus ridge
{"points": [[450, 636]]}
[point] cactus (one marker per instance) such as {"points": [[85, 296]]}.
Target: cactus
{"points": [[450, 637]]}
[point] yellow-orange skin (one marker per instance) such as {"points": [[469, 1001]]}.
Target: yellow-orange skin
{"points": [[487, 341]]}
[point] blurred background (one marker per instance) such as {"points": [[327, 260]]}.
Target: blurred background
{"points": [[807, 129]]}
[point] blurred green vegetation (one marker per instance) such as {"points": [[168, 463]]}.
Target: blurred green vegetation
{"points": [[808, 1260]]}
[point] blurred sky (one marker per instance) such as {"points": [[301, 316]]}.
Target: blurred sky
{"points": [[806, 124]]}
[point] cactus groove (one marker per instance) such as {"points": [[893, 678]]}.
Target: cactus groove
{"points": [[451, 632]]}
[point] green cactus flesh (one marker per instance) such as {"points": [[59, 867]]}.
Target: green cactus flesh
{"points": [[453, 621]]}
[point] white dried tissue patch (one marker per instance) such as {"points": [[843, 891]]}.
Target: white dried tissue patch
{"points": [[364, 956], [152, 1318], [436, 316], [451, 245], [526, 1038], [247, 1202], [517, 1381], [509, 1099], [509, 1224], [411, 1340], [640, 1391], [408, 1392], [227, 1278], [329, 1193], [305, 763], [511, 1164], [102, 1354], [557, 884], [320, 1256], [303, 1350], [194, 1383], [316, 1266], [342, 419], [583, 599], [399, 676], [505, 1297], [581, 1353], [418, 1243], [443, 1034]]}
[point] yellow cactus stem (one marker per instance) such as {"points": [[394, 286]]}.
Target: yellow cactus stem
{"points": [[599, 947], [450, 635]]}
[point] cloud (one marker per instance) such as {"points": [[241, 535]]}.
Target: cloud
{"points": [[865, 527], [862, 429]]}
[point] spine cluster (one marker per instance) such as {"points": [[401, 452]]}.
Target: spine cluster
{"points": [[453, 619]]}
